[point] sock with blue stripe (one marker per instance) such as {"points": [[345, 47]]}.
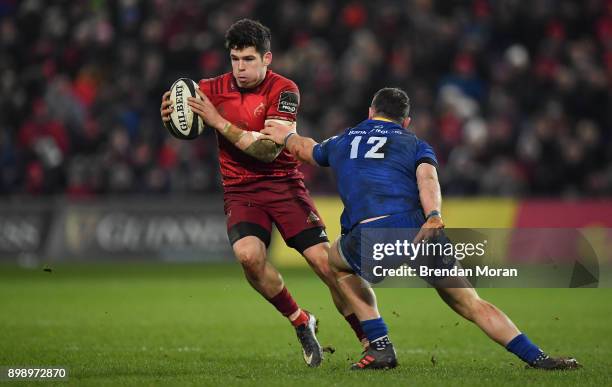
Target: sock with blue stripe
{"points": [[376, 331], [527, 351]]}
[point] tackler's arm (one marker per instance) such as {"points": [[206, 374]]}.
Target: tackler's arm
{"points": [[247, 141]]}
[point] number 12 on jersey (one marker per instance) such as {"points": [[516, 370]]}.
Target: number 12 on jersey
{"points": [[373, 153]]}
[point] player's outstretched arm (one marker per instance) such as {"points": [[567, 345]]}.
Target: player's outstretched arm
{"points": [[247, 141], [285, 135], [431, 200]]}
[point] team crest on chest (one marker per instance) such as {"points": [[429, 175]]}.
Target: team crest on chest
{"points": [[259, 110]]}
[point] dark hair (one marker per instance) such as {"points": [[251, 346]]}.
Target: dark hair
{"points": [[392, 102], [248, 33]]}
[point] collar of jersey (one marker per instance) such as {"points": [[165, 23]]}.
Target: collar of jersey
{"points": [[379, 118]]}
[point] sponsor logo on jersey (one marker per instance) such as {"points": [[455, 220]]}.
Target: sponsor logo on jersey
{"points": [[288, 102]]}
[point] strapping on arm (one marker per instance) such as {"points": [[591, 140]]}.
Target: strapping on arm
{"points": [[250, 143]]}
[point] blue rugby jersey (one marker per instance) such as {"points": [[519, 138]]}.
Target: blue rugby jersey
{"points": [[375, 168]]}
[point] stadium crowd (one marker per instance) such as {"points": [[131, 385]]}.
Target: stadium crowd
{"points": [[514, 96]]}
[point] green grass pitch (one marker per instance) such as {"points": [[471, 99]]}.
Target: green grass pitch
{"points": [[158, 324]]}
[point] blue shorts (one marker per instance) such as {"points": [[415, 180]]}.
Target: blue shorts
{"points": [[355, 247]]}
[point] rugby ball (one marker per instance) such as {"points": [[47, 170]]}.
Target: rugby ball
{"points": [[184, 124]]}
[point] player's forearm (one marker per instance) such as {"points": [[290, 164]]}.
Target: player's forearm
{"points": [[429, 188], [249, 142], [301, 148], [263, 150]]}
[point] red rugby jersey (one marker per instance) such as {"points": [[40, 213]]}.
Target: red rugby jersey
{"points": [[276, 97]]}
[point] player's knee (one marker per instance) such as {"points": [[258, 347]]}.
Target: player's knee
{"points": [[250, 261], [250, 257]]}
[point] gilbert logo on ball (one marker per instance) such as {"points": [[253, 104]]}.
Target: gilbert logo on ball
{"points": [[184, 123]]}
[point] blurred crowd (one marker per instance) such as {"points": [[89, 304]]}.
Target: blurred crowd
{"points": [[514, 96]]}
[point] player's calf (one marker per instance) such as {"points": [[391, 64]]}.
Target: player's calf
{"points": [[466, 302], [319, 257]]}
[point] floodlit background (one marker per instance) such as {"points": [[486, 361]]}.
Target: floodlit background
{"points": [[513, 95]]}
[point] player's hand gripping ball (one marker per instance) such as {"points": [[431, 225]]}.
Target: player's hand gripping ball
{"points": [[177, 115]]}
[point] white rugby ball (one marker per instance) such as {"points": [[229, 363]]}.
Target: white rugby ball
{"points": [[184, 123]]}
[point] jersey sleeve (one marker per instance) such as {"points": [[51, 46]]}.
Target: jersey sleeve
{"points": [[283, 101], [320, 152], [425, 154]]}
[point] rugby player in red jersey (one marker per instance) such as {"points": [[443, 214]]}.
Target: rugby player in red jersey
{"points": [[261, 182]]}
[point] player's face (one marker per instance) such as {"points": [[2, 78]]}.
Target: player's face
{"points": [[249, 67]]}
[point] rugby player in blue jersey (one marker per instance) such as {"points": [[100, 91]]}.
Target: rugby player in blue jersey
{"points": [[387, 178]]}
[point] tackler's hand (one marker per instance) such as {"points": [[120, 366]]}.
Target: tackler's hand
{"points": [[276, 131], [430, 230]]}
